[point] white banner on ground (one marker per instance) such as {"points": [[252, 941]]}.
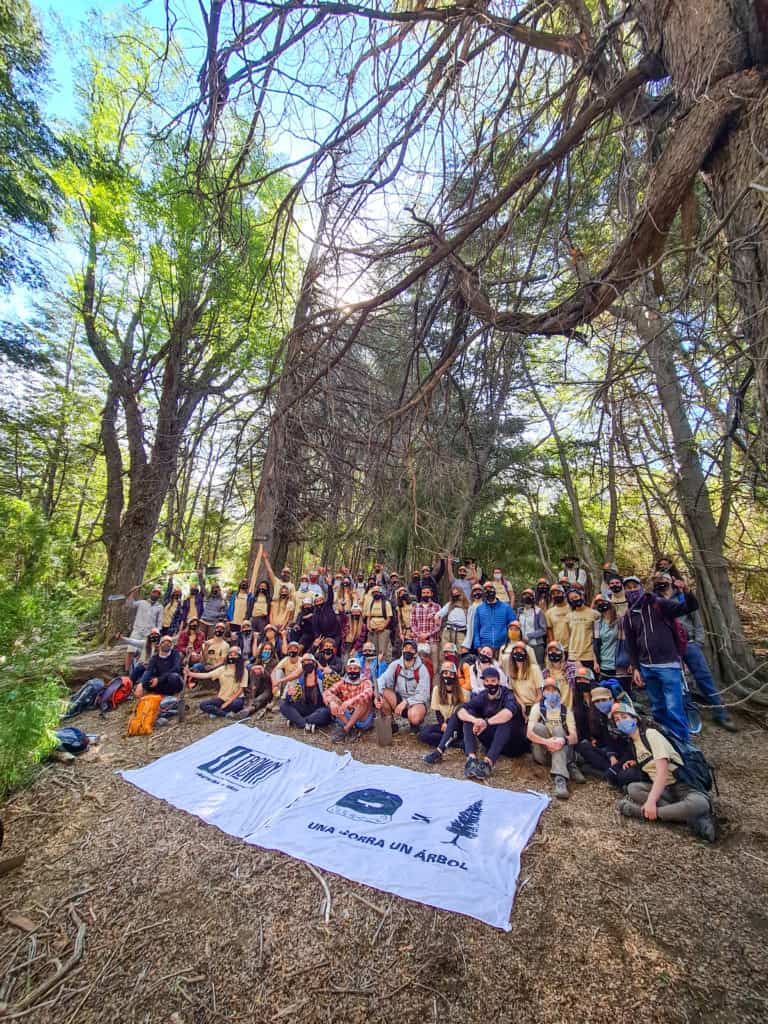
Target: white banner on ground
{"points": [[449, 844], [237, 778]]}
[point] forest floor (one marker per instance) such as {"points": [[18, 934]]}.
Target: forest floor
{"points": [[614, 921]]}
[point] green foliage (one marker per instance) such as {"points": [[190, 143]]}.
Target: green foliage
{"points": [[36, 635]]}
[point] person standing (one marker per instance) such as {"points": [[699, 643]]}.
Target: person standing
{"points": [[533, 624], [378, 622], [453, 617], [491, 619], [425, 623], [149, 616], [557, 616]]}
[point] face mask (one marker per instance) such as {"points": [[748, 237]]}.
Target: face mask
{"points": [[604, 706], [477, 597], [165, 651], [353, 676], [660, 590], [576, 602], [497, 575], [617, 589], [408, 655], [552, 700], [603, 606], [266, 655], [633, 596], [327, 655], [493, 690], [455, 596], [519, 656], [558, 598], [153, 599], [231, 661], [556, 656], [426, 598], [449, 680], [308, 669], [490, 596], [484, 659], [626, 725], [218, 632]]}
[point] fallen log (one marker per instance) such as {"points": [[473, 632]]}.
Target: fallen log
{"points": [[103, 663]]}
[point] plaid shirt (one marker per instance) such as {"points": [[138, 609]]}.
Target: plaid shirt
{"points": [[348, 694], [424, 620]]}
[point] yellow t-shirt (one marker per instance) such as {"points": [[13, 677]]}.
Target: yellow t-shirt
{"points": [[659, 747], [580, 622], [526, 688], [214, 651], [552, 719], [446, 710], [556, 617], [228, 685], [169, 610]]}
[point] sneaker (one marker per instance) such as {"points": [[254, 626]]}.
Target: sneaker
{"points": [[576, 774], [395, 727], [561, 787], [354, 735], [469, 767], [727, 723], [704, 827], [628, 809], [483, 770], [309, 727], [433, 757], [245, 713], [338, 735]]}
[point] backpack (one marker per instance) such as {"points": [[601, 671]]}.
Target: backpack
{"points": [[695, 771], [143, 721], [169, 707], [563, 714], [115, 693], [72, 740], [85, 697]]}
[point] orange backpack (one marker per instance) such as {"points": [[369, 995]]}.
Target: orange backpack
{"points": [[143, 721]]}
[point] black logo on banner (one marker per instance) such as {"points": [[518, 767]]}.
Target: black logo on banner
{"points": [[465, 824], [240, 768], [368, 805]]}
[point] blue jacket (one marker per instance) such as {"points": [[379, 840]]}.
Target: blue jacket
{"points": [[489, 627], [378, 666], [231, 605]]}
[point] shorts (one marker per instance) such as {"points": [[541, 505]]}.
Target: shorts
{"points": [[364, 723]]}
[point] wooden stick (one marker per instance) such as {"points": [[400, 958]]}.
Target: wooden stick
{"points": [[55, 978], [326, 890]]}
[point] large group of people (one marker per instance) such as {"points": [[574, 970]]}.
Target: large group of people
{"points": [[559, 673]]}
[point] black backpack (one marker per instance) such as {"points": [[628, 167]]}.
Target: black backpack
{"points": [[563, 714], [695, 771], [85, 698]]}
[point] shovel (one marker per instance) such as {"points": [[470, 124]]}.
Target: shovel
{"points": [[382, 726]]}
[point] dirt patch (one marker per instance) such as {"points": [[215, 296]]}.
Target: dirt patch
{"points": [[614, 920]]}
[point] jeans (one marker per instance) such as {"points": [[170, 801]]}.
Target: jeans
{"points": [[433, 734], [302, 713], [559, 761], [699, 669], [665, 691], [213, 706]]}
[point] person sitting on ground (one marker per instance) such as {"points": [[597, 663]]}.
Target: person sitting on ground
{"points": [[652, 645], [492, 716], [490, 622], [425, 624], [260, 691], [327, 658], [260, 607], [661, 797], [288, 668], [447, 696], [581, 681], [604, 750], [555, 665], [533, 624], [142, 659], [149, 616], [472, 670], [248, 642], [302, 702], [524, 675], [232, 679], [453, 617], [371, 666], [552, 734], [403, 689], [271, 636], [350, 702], [189, 643], [172, 609], [163, 671], [215, 650], [694, 658], [557, 616], [239, 606]]}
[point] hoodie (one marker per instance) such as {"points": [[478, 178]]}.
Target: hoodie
{"points": [[648, 630], [412, 683]]}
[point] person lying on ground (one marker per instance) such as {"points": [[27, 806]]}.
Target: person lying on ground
{"points": [[350, 702], [163, 673], [302, 703], [661, 797], [491, 716], [447, 696], [403, 689], [553, 737], [232, 680]]}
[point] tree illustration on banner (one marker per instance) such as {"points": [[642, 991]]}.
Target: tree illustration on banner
{"points": [[465, 824]]}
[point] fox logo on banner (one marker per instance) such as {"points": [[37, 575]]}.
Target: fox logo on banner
{"points": [[237, 778]]}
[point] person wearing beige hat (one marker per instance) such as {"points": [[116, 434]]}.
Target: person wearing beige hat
{"points": [[603, 751], [660, 796], [552, 735]]}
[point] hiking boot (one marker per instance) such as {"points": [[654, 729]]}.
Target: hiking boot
{"points": [[470, 766], [576, 774], [433, 757], [483, 770], [628, 809], [309, 727], [354, 735], [245, 713], [727, 723], [395, 727], [561, 787], [338, 735], [704, 827]]}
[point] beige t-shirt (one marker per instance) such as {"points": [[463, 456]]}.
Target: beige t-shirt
{"points": [[228, 685], [526, 688], [241, 605], [556, 617], [446, 710], [659, 747], [260, 605], [282, 612], [552, 719], [580, 621], [214, 651], [375, 619]]}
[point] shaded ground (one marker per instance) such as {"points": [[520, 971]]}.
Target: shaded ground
{"points": [[614, 920]]}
